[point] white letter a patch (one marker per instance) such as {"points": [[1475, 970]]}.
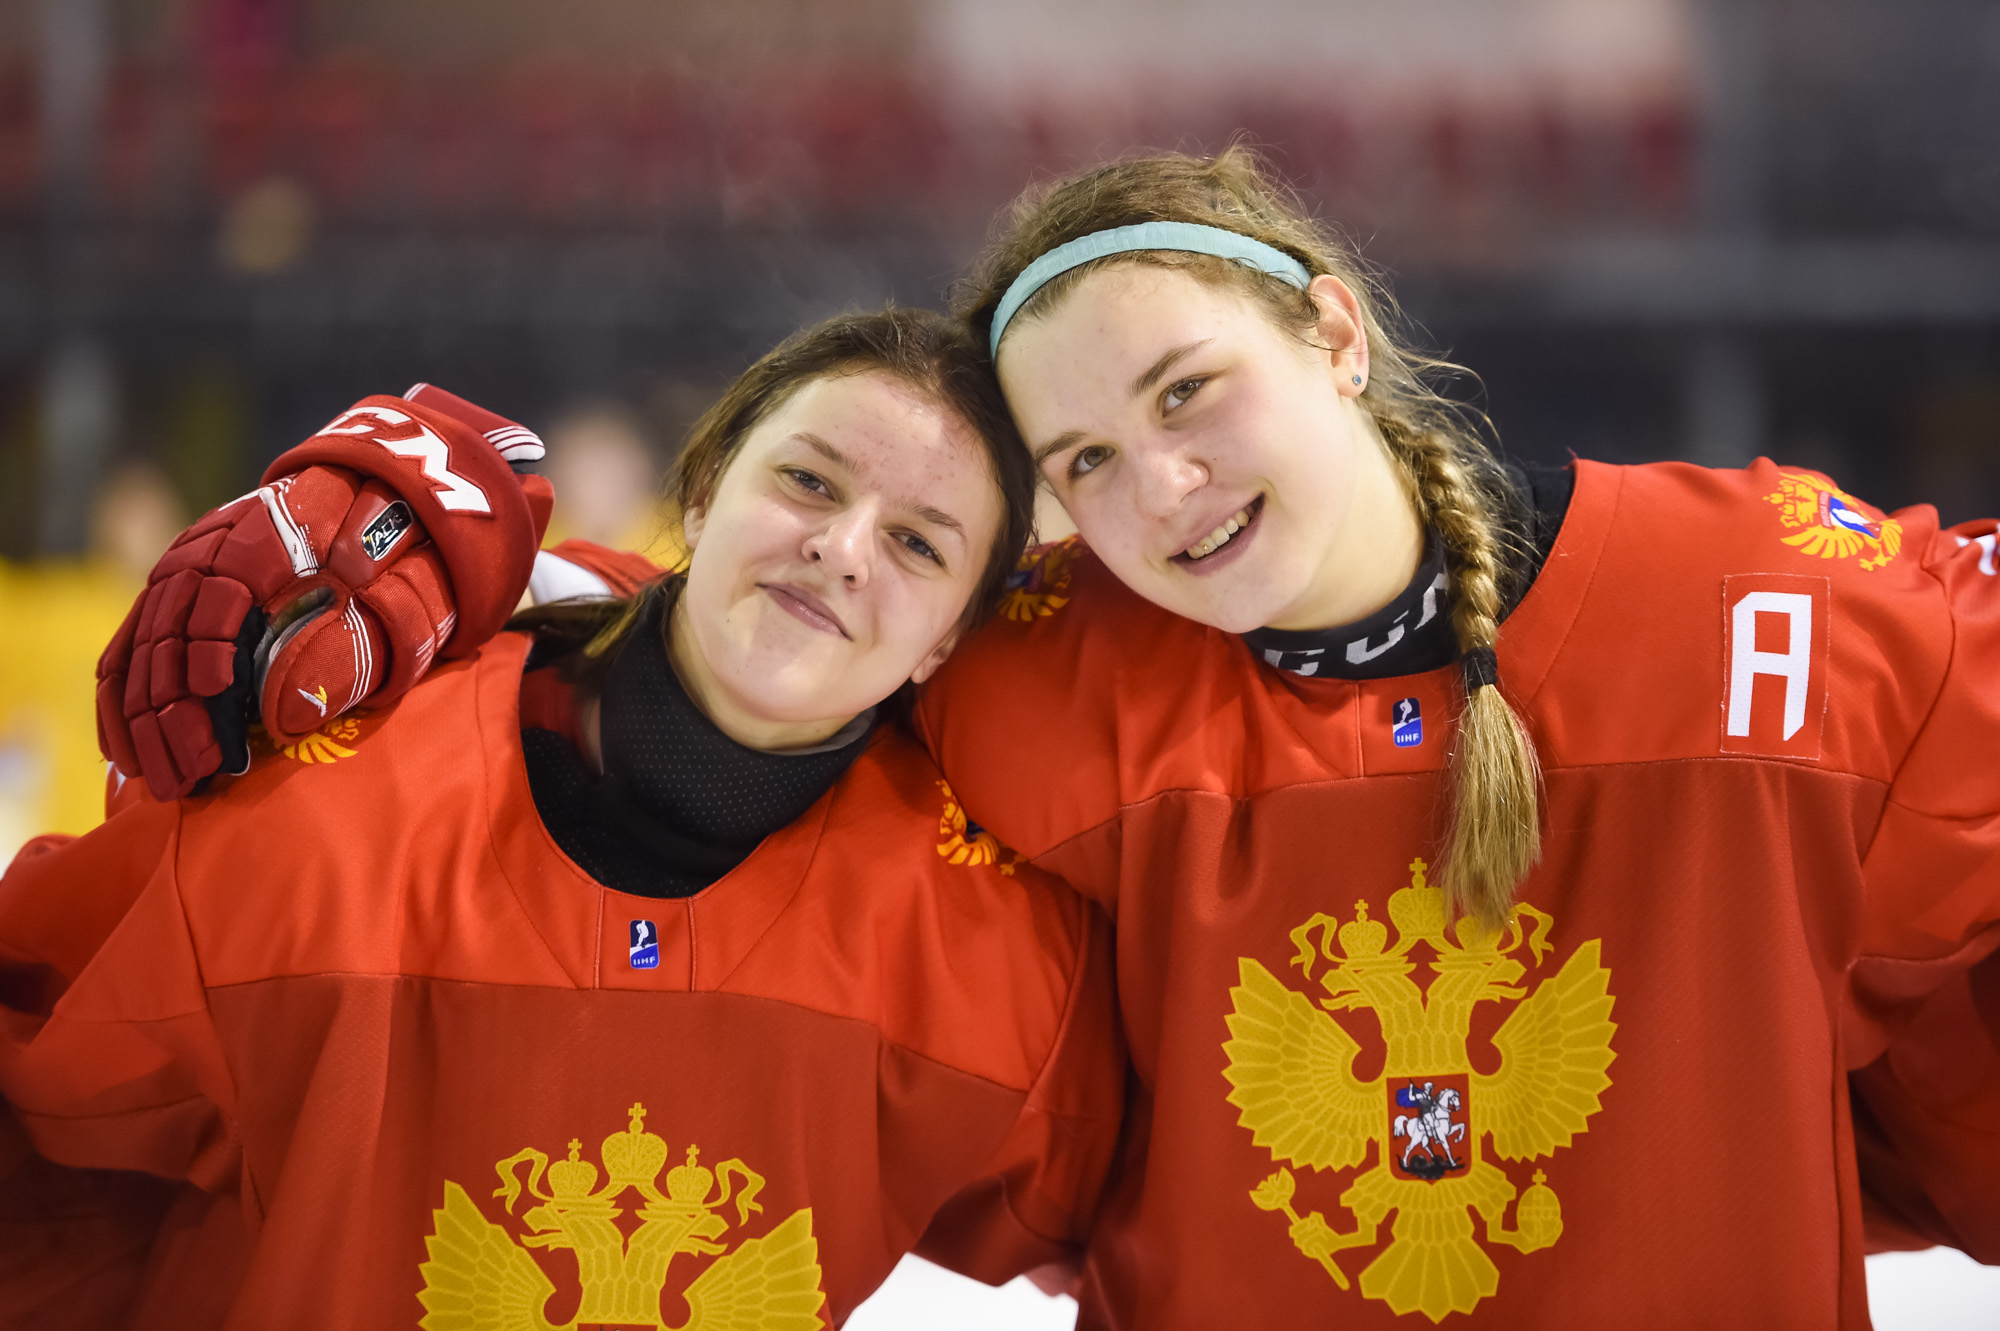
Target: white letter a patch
{"points": [[1774, 664]]}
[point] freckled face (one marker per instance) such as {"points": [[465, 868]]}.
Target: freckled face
{"points": [[836, 556], [1208, 456]]}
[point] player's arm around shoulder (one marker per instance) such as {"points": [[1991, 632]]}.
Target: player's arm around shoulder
{"points": [[1074, 1109], [1034, 1204], [579, 570], [1026, 715], [1005, 978]]}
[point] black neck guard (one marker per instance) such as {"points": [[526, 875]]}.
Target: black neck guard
{"points": [[1413, 633], [680, 803], [1408, 636]]}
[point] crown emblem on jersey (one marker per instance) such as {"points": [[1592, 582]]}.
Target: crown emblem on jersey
{"points": [[962, 841], [1362, 937], [1039, 584], [481, 1277], [690, 1182], [1429, 1131], [572, 1179], [1830, 523]]}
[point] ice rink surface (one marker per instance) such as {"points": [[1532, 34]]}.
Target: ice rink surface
{"points": [[919, 1296], [1938, 1290]]}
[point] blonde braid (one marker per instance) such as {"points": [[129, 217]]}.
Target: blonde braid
{"points": [[1495, 835]]}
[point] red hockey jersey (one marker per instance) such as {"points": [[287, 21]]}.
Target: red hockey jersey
{"points": [[1768, 716], [415, 1067]]}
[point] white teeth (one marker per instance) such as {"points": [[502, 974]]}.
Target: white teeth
{"points": [[1215, 540]]}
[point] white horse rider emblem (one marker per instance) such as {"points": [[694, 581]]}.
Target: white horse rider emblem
{"points": [[1430, 1130]]}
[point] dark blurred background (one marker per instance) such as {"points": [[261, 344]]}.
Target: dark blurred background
{"points": [[1656, 228]]}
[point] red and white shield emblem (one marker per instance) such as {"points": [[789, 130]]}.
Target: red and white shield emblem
{"points": [[1430, 1126]]}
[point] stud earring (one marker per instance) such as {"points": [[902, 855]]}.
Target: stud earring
{"points": [[1357, 381]]}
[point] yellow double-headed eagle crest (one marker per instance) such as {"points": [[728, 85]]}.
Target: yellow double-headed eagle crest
{"points": [[1430, 1128], [480, 1278], [1829, 523]]}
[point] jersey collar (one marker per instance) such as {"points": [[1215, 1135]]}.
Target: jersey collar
{"points": [[570, 910], [1408, 636]]}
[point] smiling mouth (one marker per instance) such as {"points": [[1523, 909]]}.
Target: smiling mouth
{"points": [[1222, 536], [806, 608]]}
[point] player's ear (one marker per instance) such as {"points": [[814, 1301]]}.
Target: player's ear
{"points": [[1343, 330], [938, 655]]}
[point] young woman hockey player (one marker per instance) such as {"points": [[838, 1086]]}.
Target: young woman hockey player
{"points": [[1531, 893], [665, 984]]}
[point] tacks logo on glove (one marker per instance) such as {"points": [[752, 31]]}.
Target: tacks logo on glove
{"points": [[379, 537]]}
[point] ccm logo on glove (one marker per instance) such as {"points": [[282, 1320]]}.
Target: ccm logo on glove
{"points": [[432, 454]]}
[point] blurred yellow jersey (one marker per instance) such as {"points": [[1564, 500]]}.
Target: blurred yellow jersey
{"points": [[656, 535], [57, 617]]}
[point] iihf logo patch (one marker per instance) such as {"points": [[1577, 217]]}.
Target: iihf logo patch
{"points": [[645, 945], [1409, 721]]}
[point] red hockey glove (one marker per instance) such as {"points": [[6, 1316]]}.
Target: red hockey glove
{"points": [[397, 534]]}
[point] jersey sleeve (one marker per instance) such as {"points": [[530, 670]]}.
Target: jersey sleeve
{"points": [[584, 570], [1041, 718], [108, 1063], [63, 896], [1031, 1209], [1924, 993]]}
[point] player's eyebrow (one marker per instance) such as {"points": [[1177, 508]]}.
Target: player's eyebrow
{"points": [[1155, 372], [1055, 446], [825, 450], [939, 516]]}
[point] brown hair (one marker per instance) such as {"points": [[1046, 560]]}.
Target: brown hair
{"points": [[1457, 484], [935, 355]]}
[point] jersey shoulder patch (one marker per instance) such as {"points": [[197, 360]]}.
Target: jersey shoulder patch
{"points": [[1821, 521]]}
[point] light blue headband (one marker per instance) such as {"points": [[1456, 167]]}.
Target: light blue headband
{"points": [[1188, 237]]}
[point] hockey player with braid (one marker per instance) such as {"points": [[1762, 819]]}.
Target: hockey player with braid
{"points": [[636, 969], [1563, 898], [1554, 896]]}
